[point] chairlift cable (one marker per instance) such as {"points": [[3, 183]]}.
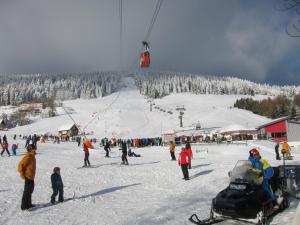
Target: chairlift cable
{"points": [[149, 30], [121, 30]]}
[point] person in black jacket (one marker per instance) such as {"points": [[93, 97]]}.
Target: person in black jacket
{"points": [[107, 148], [57, 185], [124, 153]]}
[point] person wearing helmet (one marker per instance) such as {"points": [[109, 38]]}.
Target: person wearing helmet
{"points": [[263, 168], [57, 186]]}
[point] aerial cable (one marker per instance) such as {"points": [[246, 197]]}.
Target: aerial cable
{"points": [[149, 30], [102, 111], [121, 31]]}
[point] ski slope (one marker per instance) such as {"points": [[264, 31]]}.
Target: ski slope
{"points": [[126, 114], [148, 191]]}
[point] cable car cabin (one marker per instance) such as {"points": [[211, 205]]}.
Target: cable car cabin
{"points": [[145, 59]]}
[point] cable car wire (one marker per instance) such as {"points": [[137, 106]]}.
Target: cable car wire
{"points": [[121, 31], [149, 30]]}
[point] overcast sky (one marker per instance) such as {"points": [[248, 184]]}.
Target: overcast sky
{"points": [[243, 38]]}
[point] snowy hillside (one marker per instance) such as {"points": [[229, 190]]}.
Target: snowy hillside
{"points": [[126, 113], [150, 190]]}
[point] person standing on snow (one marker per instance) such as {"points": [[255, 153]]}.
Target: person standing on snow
{"points": [[14, 149], [57, 186], [5, 148], [107, 148], [286, 150], [86, 156], [183, 161], [26, 169], [277, 151], [190, 153], [28, 139], [172, 150], [124, 153]]}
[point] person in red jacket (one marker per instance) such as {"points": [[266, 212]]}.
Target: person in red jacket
{"points": [[190, 153], [86, 156], [5, 148], [183, 161]]}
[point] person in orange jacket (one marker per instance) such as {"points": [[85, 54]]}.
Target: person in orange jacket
{"points": [[286, 150], [190, 153], [183, 161], [26, 169], [172, 150]]}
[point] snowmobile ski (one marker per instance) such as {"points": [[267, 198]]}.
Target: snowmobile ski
{"points": [[194, 219]]}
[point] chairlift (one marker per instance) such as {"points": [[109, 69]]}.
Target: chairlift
{"points": [[145, 56]]}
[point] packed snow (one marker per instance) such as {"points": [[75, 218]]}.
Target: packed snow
{"points": [[150, 190]]}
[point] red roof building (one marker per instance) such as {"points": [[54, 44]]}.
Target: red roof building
{"points": [[282, 129]]}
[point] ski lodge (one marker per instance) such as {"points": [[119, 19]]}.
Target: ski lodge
{"points": [[282, 129], [67, 131]]}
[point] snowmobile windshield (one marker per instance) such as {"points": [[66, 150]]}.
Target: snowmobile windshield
{"points": [[243, 172]]}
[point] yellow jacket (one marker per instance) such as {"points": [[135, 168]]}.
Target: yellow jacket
{"points": [[26, 167], [172, 147], [285, 147]]}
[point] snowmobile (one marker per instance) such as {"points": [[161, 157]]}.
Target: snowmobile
{"points": [[244, 199]]}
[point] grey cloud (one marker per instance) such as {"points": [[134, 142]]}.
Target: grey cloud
{"points": [[232, 37]]}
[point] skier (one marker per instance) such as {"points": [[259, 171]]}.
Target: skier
{"points": [[14, 149], [57, 186], [263, 168], [26, 168], [190, 154], [277, 151], [172, 150], [28, 139], [78, 139], [4, 139], [86, 156], [124, 153], [183, 161], [5, 148], [107, 148]]}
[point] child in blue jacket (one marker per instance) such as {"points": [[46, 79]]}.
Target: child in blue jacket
{"points": [[57, 185]]}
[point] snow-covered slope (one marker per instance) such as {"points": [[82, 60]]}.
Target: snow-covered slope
{"points": [[127, 114], [148, 191]]}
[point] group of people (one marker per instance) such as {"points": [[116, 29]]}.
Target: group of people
{"points": [[27, 167], [285, 150], [4, 145]]}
